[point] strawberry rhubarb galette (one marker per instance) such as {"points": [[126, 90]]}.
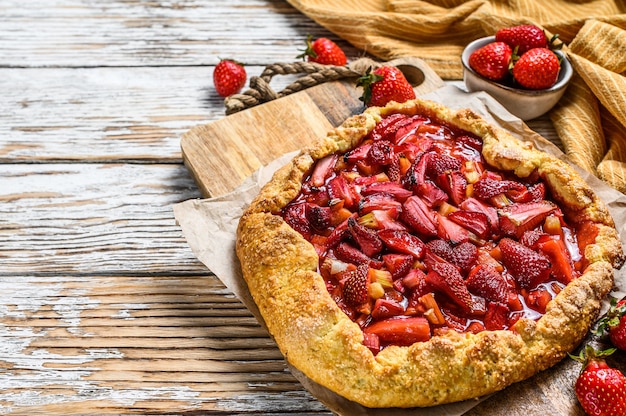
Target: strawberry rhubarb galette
{"points": [[418, 256]]}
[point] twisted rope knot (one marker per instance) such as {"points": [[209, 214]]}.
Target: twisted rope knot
{"points": [[260, 90]]}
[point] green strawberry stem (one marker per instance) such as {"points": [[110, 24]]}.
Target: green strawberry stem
{"points": [[366, 82]]}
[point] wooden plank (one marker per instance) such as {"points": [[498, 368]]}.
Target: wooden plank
{"points": [[78, 33], [114, 361], [94, 219]]}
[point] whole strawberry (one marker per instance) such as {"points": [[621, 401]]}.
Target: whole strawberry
{"points": [[600, 389], [523, 37], [229, 77], [492, 61], [385, 84], [323, 51], [537, 69], [615, 324]]}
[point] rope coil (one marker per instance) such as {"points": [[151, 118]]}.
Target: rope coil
{"points": [[260, 90]]}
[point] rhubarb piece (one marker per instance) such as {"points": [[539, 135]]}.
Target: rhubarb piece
{"points": [[401, 330]]}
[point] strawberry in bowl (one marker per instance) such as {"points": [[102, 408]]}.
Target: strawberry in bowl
{"points": [[519, 67]]}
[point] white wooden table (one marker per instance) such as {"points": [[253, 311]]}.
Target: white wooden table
{"points": [[103, 307]]}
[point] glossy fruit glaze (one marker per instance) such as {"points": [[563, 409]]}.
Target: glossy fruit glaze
{"points": [[417, 235]]}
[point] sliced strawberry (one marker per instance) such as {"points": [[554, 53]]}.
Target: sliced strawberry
{"points": [[464, 256], [451, 231], [386, 129], [390, 188], [398, 264], [431, 194], [355, 287], [339, 188], [295, 216], [358, 153], [419, 217], [473, 204], [537, 192], [401, 330], [382, 220], [538, 299], [475, 221], [350, 254], [416, 174], [378, 201], [414, 150], [440, 163], [337, 234], [531, 238], [497, 316], [445, 278], [381, 153], [323, 169], [562, 266], [386, 308], [471, 142], [366, 239], [455, 185], [484, 280], [440, 248], [528, 267], [394, 170], [515, 219], [407, 130], [403, 242], [487, 188], [319, 217]]}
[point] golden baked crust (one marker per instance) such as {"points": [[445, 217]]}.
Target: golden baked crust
{"points": [[315, 336]]}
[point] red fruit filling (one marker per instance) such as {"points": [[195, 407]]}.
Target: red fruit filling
{"points": [[417, 235]]}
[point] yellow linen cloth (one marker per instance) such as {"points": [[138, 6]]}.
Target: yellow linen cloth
{"points": [[590, 119]]}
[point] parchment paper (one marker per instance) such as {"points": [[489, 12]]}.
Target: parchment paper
{"points": [[209, 226]]}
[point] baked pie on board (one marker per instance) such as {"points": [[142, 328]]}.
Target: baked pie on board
{"points": [[419, 255], [218, 218]]}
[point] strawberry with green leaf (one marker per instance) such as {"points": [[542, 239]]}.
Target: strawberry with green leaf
{"points": [[523, 37], [323, 51], [385, 84], [614, 323], [537, 69], [600, 389]]}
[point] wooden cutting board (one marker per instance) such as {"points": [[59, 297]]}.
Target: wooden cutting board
{"points": [[221, 154]]}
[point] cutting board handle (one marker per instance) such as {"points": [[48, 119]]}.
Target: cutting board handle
{"points": [[418, 73]]}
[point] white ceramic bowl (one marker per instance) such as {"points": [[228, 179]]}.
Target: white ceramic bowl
{"points": [[525, 104]]}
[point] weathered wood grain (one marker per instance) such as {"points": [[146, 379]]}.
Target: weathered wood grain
{"points": [[83, 33], [93, 218]]}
